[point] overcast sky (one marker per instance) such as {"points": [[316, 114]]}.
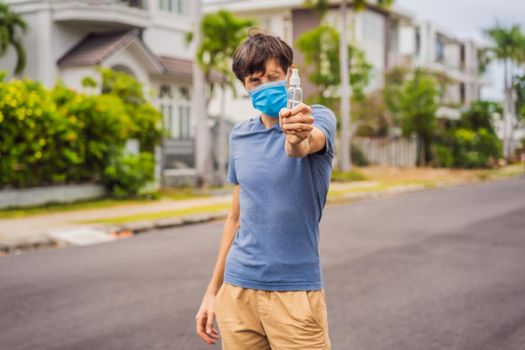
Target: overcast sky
{"points": [[467, 18]]}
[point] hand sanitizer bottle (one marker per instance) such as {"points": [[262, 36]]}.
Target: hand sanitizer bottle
{"points": [[295, 93]]}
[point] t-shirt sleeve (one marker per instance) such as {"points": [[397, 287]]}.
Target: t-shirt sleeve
{"points": [[324, 119], [232, 175]]}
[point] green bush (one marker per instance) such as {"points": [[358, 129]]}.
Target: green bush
{"points": [[146, 120], [32, 133], [442, 156], [58, 136], [475, 150], [358, 156], [127, 174], [470, 142]]}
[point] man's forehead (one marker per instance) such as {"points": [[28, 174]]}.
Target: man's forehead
{"points": [[270, 68]]}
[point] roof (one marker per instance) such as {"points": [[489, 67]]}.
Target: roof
{"points": [[177, 66], [97, 47], [183, 68]]}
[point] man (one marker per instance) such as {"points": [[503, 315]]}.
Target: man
{"points": [[267, 291]]}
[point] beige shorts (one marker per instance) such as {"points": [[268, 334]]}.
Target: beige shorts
{"points": [[255, 319]]}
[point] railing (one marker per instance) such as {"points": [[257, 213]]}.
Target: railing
{"points": [[130, 13], [138, 4], [400, 152]]}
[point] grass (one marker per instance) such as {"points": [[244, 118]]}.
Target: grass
{"points": [[182, 193], [205, 209], [352, 175], [51, 208], [511, 170], [382, 186]]}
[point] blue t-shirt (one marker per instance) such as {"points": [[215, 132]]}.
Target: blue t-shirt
{"points": [[281, 202]]}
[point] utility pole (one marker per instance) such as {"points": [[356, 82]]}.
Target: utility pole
{"points": [[346, 163], [202, 139]]}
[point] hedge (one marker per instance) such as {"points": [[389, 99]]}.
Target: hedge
{"points": [[61, 136]]}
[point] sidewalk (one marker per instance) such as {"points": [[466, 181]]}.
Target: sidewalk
{"points": [[88, 226], [40, 230], [63, 228]]}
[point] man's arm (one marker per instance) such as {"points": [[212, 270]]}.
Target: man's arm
{"points": [[206, 312], [231, 226], [302, 138], [315, 142]]}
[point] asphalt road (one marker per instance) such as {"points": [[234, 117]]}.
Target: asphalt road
{"points": [[440, 269]]}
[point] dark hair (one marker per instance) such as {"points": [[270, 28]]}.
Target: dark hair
{"points": [[251, 56]]}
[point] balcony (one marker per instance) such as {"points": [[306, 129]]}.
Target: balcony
{"points": [[113, 13]]}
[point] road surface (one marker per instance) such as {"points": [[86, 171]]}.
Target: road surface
{"points": [[440, 269]]}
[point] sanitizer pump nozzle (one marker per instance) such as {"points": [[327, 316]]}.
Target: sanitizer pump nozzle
{"points": [[295, 93]]}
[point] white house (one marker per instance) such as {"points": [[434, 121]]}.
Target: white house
{"points": [[67, 39]]}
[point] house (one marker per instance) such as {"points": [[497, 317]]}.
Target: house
{"points": [[388, 38], [67, 39], [423, 44]]}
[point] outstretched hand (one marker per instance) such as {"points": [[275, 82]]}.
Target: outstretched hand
{"points": [[296, 123]]}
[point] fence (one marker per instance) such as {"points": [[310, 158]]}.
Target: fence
{"points": [[397, 151]]}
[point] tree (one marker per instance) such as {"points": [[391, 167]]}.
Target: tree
{"points": [[147, 120], [394, 80], [472, 142], [508, 46], [480, 115], [198, 99], [321, 6], [371, 116], [320, 47], [519, 86], [222, 32], [10, 24], [417, 109]]}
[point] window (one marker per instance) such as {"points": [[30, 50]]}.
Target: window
{"points": [[184, 122], [169, 122], [418, 41], [185, 129], [462, 93], [165, 91], [440, 50], [179, 7], [184, 93], [462, 56], [175, 106]]}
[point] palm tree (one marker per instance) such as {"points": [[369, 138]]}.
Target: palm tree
{"points": [[508, 45], [221, 33], [10, 24], [358, 5]]}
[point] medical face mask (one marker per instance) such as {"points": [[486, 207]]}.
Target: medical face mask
{"points": [[269, 98]]}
